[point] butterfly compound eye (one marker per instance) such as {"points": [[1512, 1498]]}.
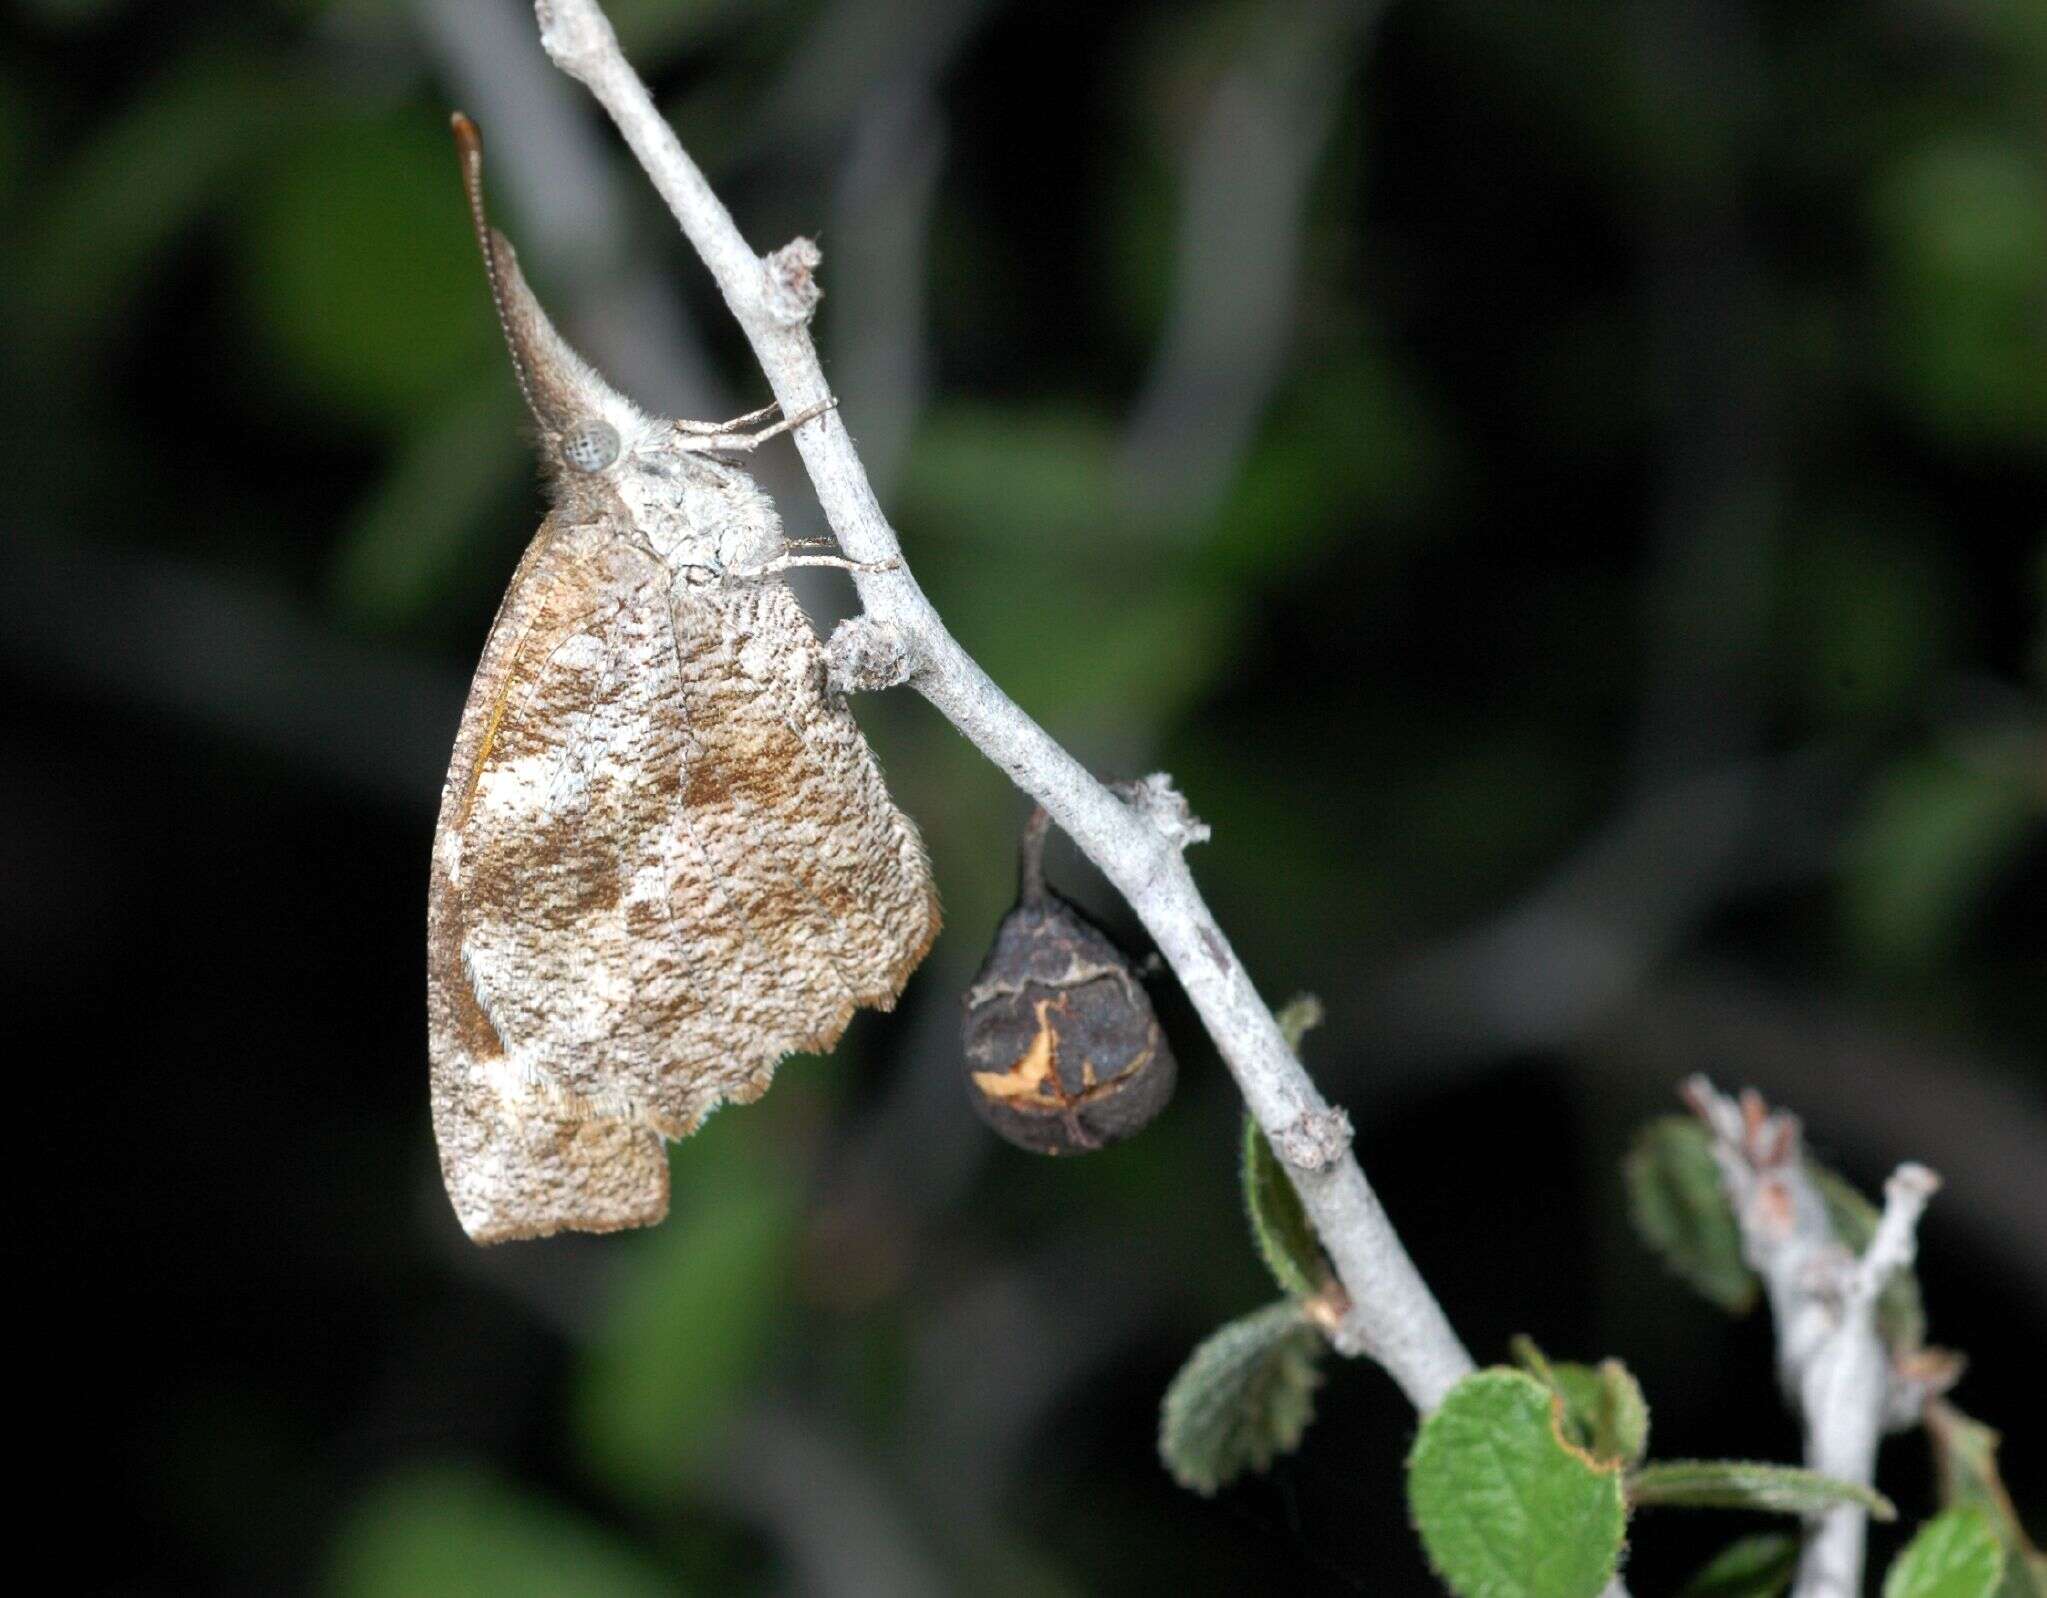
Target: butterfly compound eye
{"points": [[590, 446]]}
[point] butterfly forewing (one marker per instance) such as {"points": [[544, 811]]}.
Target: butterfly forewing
{"points": [[521, 1156], [669, 860]]}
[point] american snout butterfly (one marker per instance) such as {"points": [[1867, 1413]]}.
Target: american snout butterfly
{"points": [[665, 856]]}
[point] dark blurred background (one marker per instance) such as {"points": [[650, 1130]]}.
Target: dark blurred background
{"points": [[1561, 487]]}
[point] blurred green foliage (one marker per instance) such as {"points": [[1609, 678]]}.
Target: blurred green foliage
{"points": [[1759, 1566], [1680, 1209], [459, 1531], [1622, 356], [1960, 229], [693, 1321], [1938, 833], [361, 277]]}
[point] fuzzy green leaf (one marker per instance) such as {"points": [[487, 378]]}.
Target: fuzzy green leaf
{"points": [[1747, 1484], [1751, 1567], [1286, 1241], [1299, 1016], [1681, 1211], [1529, 1356], [1243, 1398], [1506, 1506], [1622, 1428], [1965, 1457], [1604, 1410], [1955, 1555]]}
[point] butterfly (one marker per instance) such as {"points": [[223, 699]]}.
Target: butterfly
{"points": [[666, 857]]}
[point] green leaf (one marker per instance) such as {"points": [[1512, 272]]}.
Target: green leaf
{"points": [[1681, 1211], [1751, 1567], [1529, 1356], [691, 1323], [1900, 1311], [1955, 1555], [1286, 1241], [1299, 1016], [1604, 1410], [1747, 1484], [1506, 1506], [1965, 1458], [1243, 1398], [459, 1532], [1622, 1428]]}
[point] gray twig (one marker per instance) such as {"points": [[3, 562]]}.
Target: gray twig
{"points": [[1394, 1317], [1831, 1359]]}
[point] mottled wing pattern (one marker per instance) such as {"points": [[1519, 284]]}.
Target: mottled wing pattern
{"points": [[666, 859], [785, 798], [517, 1152]]}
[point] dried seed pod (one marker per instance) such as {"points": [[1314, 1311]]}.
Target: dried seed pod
{"points": [[1063, 1052]]}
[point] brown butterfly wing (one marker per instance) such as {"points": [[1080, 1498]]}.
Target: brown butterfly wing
{"points": [[785, 798], [667, 859], [521, 1157]]}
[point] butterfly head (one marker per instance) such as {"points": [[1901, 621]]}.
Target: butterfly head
{"points": [[587, 428], [703, 515]]}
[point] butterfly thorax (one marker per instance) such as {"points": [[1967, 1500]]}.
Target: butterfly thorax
{"points": [[705, 519]]}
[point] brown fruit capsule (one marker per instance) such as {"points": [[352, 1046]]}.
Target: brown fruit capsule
{"points": [[1063, 1052]]}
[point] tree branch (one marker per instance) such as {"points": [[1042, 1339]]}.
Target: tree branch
{"points": [[1831, 1360], [1394, 1317]]}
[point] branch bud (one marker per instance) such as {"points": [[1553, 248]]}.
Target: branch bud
{"points": [[866, 656], [1165, 807], [791, 291]]}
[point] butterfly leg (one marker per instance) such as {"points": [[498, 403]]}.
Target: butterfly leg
{"points": [[684, 425], [740, 442], [785, 560]]}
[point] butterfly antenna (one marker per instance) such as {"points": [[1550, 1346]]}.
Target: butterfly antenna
{"points": [[469, 146]]}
